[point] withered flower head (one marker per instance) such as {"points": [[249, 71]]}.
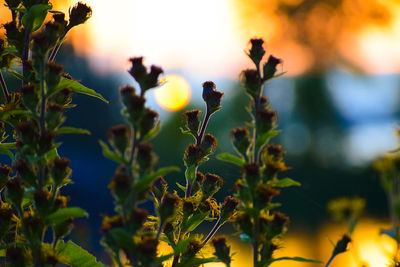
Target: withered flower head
{"points": [[59, 17], [276, 151], [61, 163], [168, 207], [280, 219], [251, 81], [159, 187], [222, 250], [139, 216], [148, 247], [256, 52], [118, 130], [209, 143], [270, 67], [211, 185], [28, 89], [266, 119], [265, 193], [193, 155], [127, 90], [138, 70], [79, 14], [152, 77], [192, 119], [149, 121], [228, 207]]}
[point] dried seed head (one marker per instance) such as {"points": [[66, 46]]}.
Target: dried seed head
{"points": [[193, 155], [138, 71], [251, 81], [241, 139], [148, 247], [149, 121], [79, 14], [266, 120], [228, 207], [270, 67], [264, 194], [256, 52], [276, 151], [280, 220], [211, 185], [168, 207], [209, 143], [192, 120]]}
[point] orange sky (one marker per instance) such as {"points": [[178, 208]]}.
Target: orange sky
{"points": [[208, 37]]}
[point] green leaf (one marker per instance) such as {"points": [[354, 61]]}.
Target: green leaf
{"points": [[194, 221], [75, 255], [77, 88], [190, 173], [286, 182], [52, 154], [72, 130], [231, 158], [64, 214], [149, 179], [296, 259], [153, 132], [34, 18], [16, 74], [183, 188], [264, 138], [197, 261], [5, 149], [110, 154]]}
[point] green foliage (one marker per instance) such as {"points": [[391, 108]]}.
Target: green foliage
{"points": [[76, 256]]}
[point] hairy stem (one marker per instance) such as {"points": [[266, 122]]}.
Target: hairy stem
{"points": [[213, 231], [4, 87], [55, 49], [203, 127]]}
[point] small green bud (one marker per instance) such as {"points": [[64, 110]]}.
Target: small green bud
{"points": [[269, 68], [256, 52], [79, 14], [138, 71], [119, 137], [168, 206], [212, 97], [27, 174], [30, 96], [264, 102], [241, 140], [60, 171], [192, 120], [266, 120], [193, 155], [149, 121], [222, 250], [251, 81], [211, 185], [159, 188]]}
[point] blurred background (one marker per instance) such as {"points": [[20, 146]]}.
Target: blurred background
{"points": [[338, 103]]}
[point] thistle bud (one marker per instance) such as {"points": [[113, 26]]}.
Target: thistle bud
{"points": [[269, 68], [167, 208], [15, 191], [152, 78], [126, 92], [251, 81], [192, 120], [148, 122], [228, 207], [109, 223], [120, 185], [79, 14], [46, 141], [28, 132], [209, 143], [341, 245], [256, 52], [211, 185], [212, 97], [264, 194], [145, 157], [251, 173], [222, 250], [53, 74], [193, 155], [30, 96], [60, 171], [5, 171], [266, 120], [138, 71], [27, 174], [241, 140], [119, 136], [159, 188]]}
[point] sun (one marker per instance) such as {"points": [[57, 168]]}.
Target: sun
{"points": [[174, 94]]}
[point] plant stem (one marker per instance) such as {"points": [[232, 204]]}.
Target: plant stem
{"points": [[42, 124], [55, 49], [213, 231], [203, 127], [255, 242], [329, 261], [175, 261], [25, 54], [4, 87], [257, 103], [134, 144]]}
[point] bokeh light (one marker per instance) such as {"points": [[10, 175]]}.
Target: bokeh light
{"points": [[174, 94]]}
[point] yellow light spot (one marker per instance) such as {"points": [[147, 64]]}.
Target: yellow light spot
{"points": [[174, 94]]}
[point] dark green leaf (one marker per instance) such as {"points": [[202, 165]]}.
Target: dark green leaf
{"points": [[5, 149], [297, 259], [16, 74], [286, 182], [110, 154], [149, 179], [77, 88], [264, 138], [76, 256], [183, 188], [64, 214], [190, 173], [231, 158], [72, 130], [197, 261], [34, 18], [153, 132], [194, 221]]}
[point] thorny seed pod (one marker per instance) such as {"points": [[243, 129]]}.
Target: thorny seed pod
{"points": [[79, 14], [269, 68], [187, 207], [193, 155], [118, 137], [256, 52], [276, 151], [41, 46], [241, 140], [194, 246], [192, 120], [59, 17], [222, 250], [212, 97], [14, 36], [211, 185]]}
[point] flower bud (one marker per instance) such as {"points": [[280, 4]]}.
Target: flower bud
{"points": [[212, 97], [109, 223], [28, 132], [341, 245], [148, 121], [15, 191], [159, 188], [147, 249], [138, 71], [275, 151], [269, 68], [273, 168], [126, 92], [251, 81], [209, 143], [27, 174], [256, 52], [53, 74], [60, 171], [54, 115], [145, 157], [46, 141], [193, 155], [211, 185], [266, 120], [79, 14], [42, 200], [241, 140], [251, 173], [152, 78], [135, 108], [5, 171], [222, 250], [228, 207], [167, 208], [200, 178], [62, 97], [120, 185], [192, 120], [30, 96], [137, 218], [263, 195], [119, 136]]}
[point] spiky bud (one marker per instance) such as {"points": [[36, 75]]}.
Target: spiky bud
{"points": [[79, 14]]}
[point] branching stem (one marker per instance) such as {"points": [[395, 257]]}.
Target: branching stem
{"points": [[4, 87]]}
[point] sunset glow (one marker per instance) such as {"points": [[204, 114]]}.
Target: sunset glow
{"points": [[174, 94]]}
